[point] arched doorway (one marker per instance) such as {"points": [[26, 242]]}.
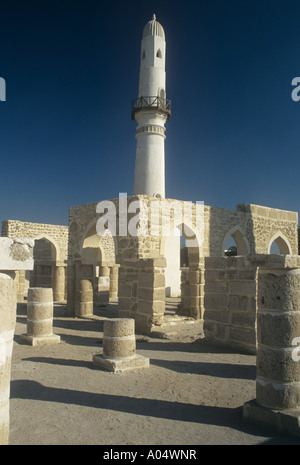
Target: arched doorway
{"points": [[44, 255], [97, 272], [279, 244], [235, 243], [181, 249]]}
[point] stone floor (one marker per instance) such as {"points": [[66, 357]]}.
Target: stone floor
{"points": [[192, 394]]}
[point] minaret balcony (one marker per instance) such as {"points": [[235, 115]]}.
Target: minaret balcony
{"points": [[151, 103]]}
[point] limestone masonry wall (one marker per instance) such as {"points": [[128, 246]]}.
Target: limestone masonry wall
{"points": [[142, 292], [56, 234], [230, 302], [253, 227], [50, 256]]}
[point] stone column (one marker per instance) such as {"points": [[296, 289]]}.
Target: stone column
{"points": [[196, 293], [119, 346], [104, 271], [102, 285], [40, 317], [20, 285], [59, 284], [71, 289], [7, 326], [113, 285], [15, 254], [142, 292], [278, 330], [84, 305], [183, 307], [196, 281]]}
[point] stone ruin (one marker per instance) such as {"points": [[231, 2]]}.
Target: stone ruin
{"points": [[250, 302]]}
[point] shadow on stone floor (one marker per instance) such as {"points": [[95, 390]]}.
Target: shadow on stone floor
{"points": [[178, 411], [220, 370]]}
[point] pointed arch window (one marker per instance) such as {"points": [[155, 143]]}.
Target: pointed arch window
{"points": [[159, 54]]}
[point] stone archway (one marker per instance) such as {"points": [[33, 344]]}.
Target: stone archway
{"points": [[189, 277], [282, 243], [44, 256], [49, 269], [240, 239], [97, 271]]}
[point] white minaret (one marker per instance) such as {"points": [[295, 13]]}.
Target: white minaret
{"points": [[151, 111]]}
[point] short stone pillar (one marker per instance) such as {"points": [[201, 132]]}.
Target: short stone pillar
{"points": [[40, 318], [277, 401], [84, 295], [84, 299], [15, 254], [119, 347]]}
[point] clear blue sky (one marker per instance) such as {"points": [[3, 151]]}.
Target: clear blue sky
{"points": [[71, 69]]}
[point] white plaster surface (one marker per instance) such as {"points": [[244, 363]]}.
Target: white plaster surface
{"points": [[16, 254]]}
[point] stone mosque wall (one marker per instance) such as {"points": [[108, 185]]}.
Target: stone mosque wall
{"points": [[254, 228], [56, 234], [50, 255]]}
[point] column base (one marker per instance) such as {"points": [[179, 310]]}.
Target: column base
{"points": [[283, 421], [41, 340], [136, 362]]}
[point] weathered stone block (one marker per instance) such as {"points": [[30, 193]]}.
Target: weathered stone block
{"points": [[124, 303], [243, 319], [151, 307], [125, 290], [216, 287], [277, 395], [217, 316], [151, 294], [282, 421], [215, 301], [149, 280], [277, 365], [118, 327], [243, 336], [221, 332], [279, 290], [242, 288], [277, 330]]}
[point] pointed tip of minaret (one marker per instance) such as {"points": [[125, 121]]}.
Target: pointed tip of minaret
{"points": [[153, 27]]}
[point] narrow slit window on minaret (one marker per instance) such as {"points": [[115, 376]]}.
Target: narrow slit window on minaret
{"points": [[143, 55], [159, 54]]}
